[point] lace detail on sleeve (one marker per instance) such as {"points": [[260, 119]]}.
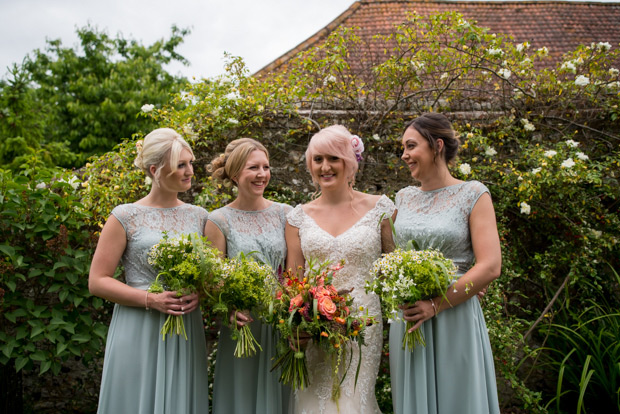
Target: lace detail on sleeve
{"points": [[385, 206], [123, 215], [476, 189], [219, 219], [296, 216]]}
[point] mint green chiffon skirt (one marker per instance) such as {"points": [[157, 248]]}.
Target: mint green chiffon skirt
{"points": [[144, 375], [246, 385], [454, 373]]}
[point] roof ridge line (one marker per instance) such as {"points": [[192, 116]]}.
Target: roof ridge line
{"points": [[318, 36]]}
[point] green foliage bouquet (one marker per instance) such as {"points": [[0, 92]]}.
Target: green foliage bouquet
{"points": [[312, 305], [184, 264], [245, 284], [406, 276]]}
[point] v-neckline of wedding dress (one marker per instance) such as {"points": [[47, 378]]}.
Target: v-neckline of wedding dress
{"points": [[347, 230]]}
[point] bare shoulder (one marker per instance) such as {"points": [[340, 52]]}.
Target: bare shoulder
{"points": [[369, 201]]}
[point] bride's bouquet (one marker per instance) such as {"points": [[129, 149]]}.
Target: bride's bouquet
{"points": [[311, 307], [184, 264], [406, 276], [243, 284]]}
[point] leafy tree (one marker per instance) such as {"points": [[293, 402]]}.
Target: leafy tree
{"points": [[63, 105]]}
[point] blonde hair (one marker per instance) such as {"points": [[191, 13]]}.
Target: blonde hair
{"points": [[160, 147], [334, 140], [229, 164]]}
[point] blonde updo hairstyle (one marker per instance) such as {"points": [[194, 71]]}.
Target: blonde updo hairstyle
{"points": [[229, 164], [335, 141], [160, 147]]}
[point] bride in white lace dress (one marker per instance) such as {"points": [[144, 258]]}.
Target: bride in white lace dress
{"points": [[341, 223]]}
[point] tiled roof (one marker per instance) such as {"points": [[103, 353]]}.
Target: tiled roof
{"points": [[559, 25]]}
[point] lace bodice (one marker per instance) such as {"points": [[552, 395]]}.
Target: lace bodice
{"points": [[359, 246], [144, 227], [261, 232], [439, 219]]}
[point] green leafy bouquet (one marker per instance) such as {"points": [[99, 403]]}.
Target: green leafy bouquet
{"points": [[312, 305], [407, 276], [185, 264], [244, 284]]}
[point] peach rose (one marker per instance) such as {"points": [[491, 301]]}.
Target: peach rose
{"points": [[326, 307], [318, 292], [296, 302]]}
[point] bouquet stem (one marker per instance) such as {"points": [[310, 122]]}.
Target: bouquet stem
{"points": [[246, 343], [294, 369], [410, 339], [173, 325]]}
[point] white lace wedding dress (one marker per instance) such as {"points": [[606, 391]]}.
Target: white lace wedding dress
{"points": [[359, 246]]}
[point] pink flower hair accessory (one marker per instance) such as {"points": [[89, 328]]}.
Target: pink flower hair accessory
{"points": [[358, 147]]}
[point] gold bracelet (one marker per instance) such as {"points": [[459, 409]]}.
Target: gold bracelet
{"points": [[146, 300], [434, 307]]}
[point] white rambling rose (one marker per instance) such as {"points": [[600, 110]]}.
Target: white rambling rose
{"points": [[571, 143], [536, 170], [329, 79], [544, 51], [233, 121], [568, 163], [529, 127], [444, 75], [504, 73], [525, 208], [605, 46], [376, 137], [495, 51], [550, 153], [490, 152], [582, 80], [465, 169], [568, 66], [146, 108], [582, 156], [614, 71], [40, 186]]}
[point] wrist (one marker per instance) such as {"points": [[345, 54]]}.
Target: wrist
{"points": [[434, 307]]}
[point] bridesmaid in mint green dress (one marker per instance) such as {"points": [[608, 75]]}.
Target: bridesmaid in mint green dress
{"points": [[142, 374], [454, 373], [250, 223]]}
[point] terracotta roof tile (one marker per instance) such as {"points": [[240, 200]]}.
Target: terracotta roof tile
{"points": [[559, 25]]}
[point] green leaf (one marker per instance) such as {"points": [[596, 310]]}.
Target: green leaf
{"points": [[8, 250], [81, 338], [20, 362], [38, 356], [45, 366]]}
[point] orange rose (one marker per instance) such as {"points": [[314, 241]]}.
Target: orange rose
{"points": [[340, 320], [326, 307], [296, 302]]}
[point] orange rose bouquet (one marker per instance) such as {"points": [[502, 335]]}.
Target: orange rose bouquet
{"points": [[311, 307]]}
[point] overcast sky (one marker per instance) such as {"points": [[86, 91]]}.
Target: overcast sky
{"points": [[257, 30]]}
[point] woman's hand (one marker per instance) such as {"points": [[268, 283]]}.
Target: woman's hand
{"points": [[170, 303], [300, 341], [417, 313], [242, 318]]}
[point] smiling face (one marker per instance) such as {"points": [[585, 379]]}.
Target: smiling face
{"points": [[418, 155], [255, 174], [328, 171], [181, 179]]}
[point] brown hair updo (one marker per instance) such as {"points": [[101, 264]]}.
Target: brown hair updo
{"points": [[229, 164], [433, 126]]}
